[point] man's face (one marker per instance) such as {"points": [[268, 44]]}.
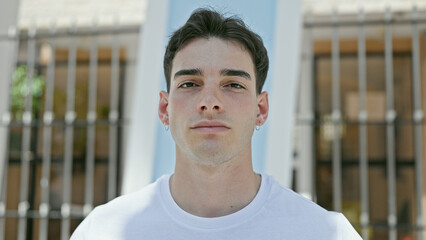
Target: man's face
{"points": [[212, 107]]}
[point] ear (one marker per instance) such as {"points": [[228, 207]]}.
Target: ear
{"points": [[163, 113], [263, 106]]}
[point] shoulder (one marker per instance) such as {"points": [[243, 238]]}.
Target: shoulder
{"points": [[346, 230], [139, 205], [292, 203], [306, 217], [132, 202]]}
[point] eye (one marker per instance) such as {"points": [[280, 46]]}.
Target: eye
{"points": [[235, 86], [187, 85]]}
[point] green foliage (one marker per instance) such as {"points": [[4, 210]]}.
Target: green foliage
{"points": [[20, 91]]}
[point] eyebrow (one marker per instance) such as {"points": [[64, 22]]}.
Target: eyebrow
{"points": [[192, 71], [234, 72], [223, 72]]}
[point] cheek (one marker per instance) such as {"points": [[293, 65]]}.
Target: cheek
{"points": [[179, 111], [246, 107], [178, 102], [175, 106]]}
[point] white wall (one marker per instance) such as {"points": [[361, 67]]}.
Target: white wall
{"points": [[8, 17]]}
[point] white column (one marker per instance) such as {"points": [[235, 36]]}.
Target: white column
{"points": [[8, 18], [279, 150], [305, 147], [140, 150]]}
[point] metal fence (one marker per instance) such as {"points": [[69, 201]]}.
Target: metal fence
{"points": [[358, 26], [35, 210]]}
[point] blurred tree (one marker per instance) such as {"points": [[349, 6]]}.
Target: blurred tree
{"points": [[20, 91]]}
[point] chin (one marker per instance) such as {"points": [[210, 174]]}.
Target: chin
{"points": [[212, 157]]}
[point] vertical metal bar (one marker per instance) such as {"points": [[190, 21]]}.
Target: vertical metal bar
{"points": [[91, 118], [336, 116], [417, 117], [6, 118], [363, 166], [69, 136], [113, 115], [390, 127], [26, 139], [47, 139]]}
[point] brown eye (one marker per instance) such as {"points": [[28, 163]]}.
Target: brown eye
{"points": [[236, 85], [187, 85]]}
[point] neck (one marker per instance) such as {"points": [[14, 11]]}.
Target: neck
{"points": [[207, 191]]}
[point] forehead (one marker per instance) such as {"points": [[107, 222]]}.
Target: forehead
{"points": [[213, 54]]}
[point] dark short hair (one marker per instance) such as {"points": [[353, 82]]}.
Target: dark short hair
{"points": [[206, 23]]}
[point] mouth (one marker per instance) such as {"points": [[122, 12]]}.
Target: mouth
{"points": [[210, 126]]}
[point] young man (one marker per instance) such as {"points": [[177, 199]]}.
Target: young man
{"points": [[215, 68]]}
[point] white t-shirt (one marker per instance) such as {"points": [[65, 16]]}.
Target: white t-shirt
{"points": [[275, 213]]}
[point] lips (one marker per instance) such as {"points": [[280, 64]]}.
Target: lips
{"points": [[210, 126]]}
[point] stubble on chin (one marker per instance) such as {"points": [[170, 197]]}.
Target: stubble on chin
{"points": [[210, 156]]}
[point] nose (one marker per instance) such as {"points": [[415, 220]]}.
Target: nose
{"points": [[209, 101]]}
